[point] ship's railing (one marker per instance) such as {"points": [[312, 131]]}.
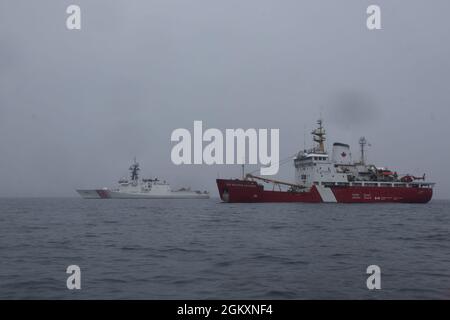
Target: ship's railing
{"points": [[378, 184]]}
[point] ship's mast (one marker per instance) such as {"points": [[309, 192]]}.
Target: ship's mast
{"points": [[362, 144], [319, 136], [135, 170]]}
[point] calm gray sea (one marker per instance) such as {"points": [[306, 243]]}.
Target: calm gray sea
{"points": [[204, 249]]}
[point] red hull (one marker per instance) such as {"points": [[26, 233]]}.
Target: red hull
{"points": [[250, 191]]}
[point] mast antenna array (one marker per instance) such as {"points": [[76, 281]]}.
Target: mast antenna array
{"points": [[362, 144], [135, 170], [319, 135]]}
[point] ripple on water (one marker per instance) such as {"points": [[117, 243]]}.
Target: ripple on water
{"points": [[129, 249]]}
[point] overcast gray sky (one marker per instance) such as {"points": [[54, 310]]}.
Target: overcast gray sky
{"points": [[77, 106]]}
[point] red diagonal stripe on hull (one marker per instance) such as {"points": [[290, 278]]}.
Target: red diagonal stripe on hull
{"points": [[103, 194]]}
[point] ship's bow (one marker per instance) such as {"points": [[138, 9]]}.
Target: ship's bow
{"points": [[239, 190]]}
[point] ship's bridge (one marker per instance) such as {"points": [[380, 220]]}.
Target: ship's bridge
{"points": [[313, 166], [308, 157]]}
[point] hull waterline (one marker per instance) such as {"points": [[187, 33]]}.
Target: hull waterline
{"points": [[109, 194]]}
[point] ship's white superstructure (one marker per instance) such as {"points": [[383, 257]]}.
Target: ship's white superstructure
{"points": [[317, 167], [136, 188]]}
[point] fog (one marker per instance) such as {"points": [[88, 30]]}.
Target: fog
{"points": [[76, 106]]}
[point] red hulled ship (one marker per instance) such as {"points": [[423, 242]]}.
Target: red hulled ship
{"points": [[321, 178]]}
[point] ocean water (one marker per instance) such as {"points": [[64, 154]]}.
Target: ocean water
{"points": [[204, 249]]}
